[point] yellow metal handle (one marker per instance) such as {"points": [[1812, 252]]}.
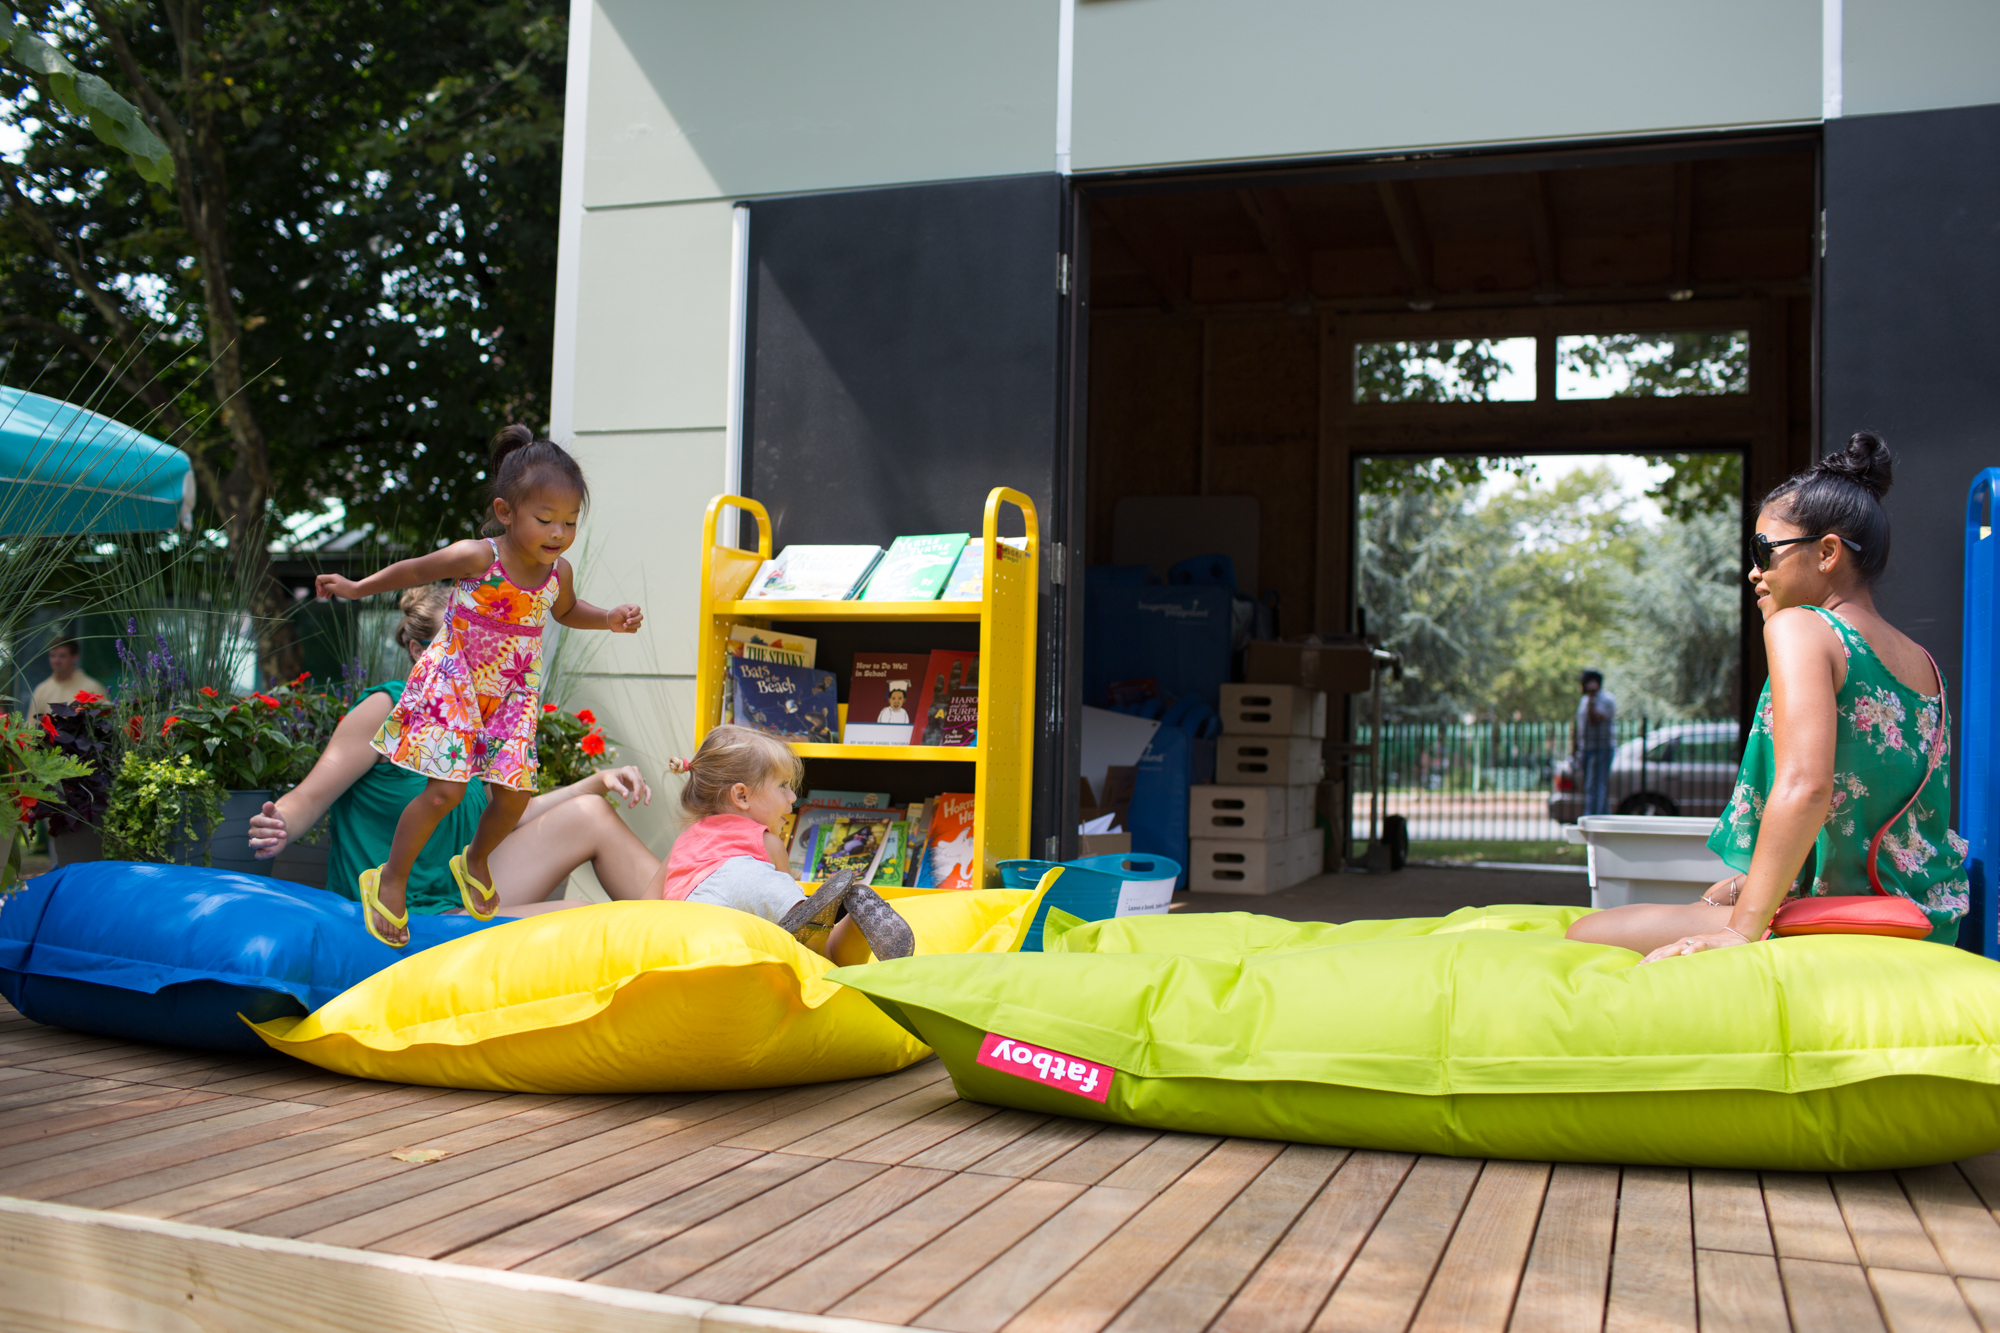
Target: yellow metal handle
{"points": [[748, 506], [1000, 495]]}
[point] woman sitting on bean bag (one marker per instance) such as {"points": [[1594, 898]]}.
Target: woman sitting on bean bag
{"points": [[1851, 726], [366, 794]]}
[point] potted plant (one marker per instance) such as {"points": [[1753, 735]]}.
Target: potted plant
{"points": [[161, 809], [74, 816], [30, 773], [250, 747], [569, 747]]}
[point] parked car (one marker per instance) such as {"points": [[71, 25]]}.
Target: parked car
{"points": [[1686, 769]]}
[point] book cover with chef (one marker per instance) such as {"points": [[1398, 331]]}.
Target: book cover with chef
{"points": [[882, 694]]}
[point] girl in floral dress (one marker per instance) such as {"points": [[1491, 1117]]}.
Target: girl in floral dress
{"points": [[470, 707], [1850, 726]]}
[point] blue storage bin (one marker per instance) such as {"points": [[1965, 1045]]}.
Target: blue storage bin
{"points": [[1979, 717], [1089, 886]]}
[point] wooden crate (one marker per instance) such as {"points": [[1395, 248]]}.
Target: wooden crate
{"points": [[1241, 865], [1273, 710], [1249, 812], [1268, 761]]}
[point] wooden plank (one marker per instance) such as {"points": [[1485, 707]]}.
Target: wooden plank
{"points": [[1384, 1284], [1983, 1295], [1959, 1223], [1805, 1220], [1921, 1302], [1739, 1293], [1826, 1295], [537, 1236], [1096, 1157], [1563, 1287], [1196, 1285], [1093, 1293], [815, 1286], [1652, 1257], [1476, 1281], [1983, 1173], [34, 1089], [843, 1103], [1886, 1230], [617, 1241], [933, 1130], [1291, 1285], [1037, 1148], [997, 1292], [845, 1137], [981, 1141], [1161, 1162], [1729, 1213], [39, 1124], [177, 1135], [772, 1256], [912, 1285], [662, 1265]]}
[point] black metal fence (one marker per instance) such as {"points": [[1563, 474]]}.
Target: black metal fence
{"points": [[1519, 781]]}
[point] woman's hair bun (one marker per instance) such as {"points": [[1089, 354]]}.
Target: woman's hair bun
{"points": [[1865, 461]]}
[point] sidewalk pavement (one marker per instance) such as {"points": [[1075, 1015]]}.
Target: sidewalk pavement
{"points": [[1412, 891]]}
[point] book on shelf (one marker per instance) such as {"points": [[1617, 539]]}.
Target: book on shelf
{"points": [[819, 798], [968, 574], [802, 848], [914, 569], [797, 703], [849, 844], [882, 698], [813, 573], [948, 700], [763, 645], [891, 859], [947, 852]]}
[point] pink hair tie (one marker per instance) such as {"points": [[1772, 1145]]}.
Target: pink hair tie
{"points": [[680, 765]]}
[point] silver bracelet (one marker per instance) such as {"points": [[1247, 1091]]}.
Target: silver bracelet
{"points": [[1737, 933], [1735, 892]]}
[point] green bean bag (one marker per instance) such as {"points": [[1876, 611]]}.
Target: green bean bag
{"points": [[1484, 1033]]}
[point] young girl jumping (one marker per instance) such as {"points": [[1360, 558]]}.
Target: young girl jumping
{"points": [[473, 699], [741, 785]]}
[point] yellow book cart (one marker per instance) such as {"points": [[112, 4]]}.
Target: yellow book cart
{"points": [[1002, 763]]}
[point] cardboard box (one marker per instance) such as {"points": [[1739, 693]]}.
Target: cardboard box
{"points": [[1273, 710], [1271, 865], [1337, 668], [1268, 761], [1103, 844], [1249, 811]]}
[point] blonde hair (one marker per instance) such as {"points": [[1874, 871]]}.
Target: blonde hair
{"points": [[423, 615], [729, 755]]}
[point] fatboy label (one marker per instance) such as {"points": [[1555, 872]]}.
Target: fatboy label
{"points": [[1045, 1066]]}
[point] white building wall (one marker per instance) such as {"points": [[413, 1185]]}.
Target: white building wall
{"points": [[1919, 55]]}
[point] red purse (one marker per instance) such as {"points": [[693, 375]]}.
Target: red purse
{"points": [[1879, 913]]}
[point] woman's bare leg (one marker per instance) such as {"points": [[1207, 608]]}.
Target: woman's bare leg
{"points": [[534, 862], [1644, 927]]}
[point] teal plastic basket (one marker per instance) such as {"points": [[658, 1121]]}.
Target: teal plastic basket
{"points": [[1089, 886]]}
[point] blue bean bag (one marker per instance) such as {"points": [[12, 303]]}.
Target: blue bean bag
{"points": [[174, 954]]}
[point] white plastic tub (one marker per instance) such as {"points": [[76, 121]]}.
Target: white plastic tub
{"points": [[1647, 858]]}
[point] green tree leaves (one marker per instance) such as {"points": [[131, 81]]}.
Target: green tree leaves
{"points": [[88, 97]]}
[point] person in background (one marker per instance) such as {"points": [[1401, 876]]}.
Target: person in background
{"points": [[1596, 711], [65, 681]]}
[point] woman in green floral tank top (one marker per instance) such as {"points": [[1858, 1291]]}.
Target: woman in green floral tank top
{"points": [[1850, 726]]}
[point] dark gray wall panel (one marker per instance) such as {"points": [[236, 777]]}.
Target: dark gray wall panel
{"points": [[1911, 320]]}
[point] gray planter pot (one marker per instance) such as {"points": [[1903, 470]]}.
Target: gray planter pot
{"points": [[303, 863], [228, 845], [68, 849]]}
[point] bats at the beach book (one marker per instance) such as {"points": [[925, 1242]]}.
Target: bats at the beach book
{"points": [[798, 703]]}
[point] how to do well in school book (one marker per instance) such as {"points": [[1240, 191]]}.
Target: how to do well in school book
{"points": [[882, 694]]}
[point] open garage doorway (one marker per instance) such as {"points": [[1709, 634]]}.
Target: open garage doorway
{"points": [[1257, 342]]}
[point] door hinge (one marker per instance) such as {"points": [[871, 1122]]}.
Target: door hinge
{"points": [[1058, 563], [1062, 275], [1822, 233]]}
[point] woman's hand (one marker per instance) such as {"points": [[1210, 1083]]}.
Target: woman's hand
{"points": [[1720, 939], [268, 834], [624, 784]]}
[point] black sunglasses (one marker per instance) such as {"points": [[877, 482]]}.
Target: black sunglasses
{"points": [[1762, 548]]}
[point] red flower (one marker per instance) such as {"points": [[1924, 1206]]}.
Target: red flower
{"points": [[548, 708], [303, 677], [132, 728], [25, 804], [593, 743], [168, 723], [209, 691], [266, 700], [86, 697], [585, 716], [49, 725]]}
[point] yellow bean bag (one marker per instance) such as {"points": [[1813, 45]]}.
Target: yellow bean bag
{"points": [[634, 997], [1484, 1033]]}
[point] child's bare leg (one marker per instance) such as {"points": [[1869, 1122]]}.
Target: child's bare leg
{"points": [[419, 820], [503, 811]]}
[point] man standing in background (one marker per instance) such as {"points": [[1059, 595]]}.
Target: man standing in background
{"points": [[65, 681], [1595, 713]]}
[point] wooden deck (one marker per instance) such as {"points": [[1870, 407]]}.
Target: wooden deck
{"points": [[890, 1200]]}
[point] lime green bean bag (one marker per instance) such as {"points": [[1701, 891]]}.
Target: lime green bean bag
{"points": [[1484, 1033]]}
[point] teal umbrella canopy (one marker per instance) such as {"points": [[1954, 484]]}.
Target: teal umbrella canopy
{"points": [[65, 469]]}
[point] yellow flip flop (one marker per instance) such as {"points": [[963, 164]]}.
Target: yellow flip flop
{"points": [[468, 887], [371, 904]]}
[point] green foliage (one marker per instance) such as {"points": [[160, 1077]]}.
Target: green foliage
{"points": [[1700, 484], [110, 117], [1662, 365], [30, 772], [159, 807], [261, 742], [1678, 644], [570, 747], [1451, 371]]}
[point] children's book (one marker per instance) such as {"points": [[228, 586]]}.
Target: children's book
{"points": [[948, 703], [822, 799], [763, 645], [892, 856], [849, 844], [947, 860], [968, 575], [797, 703], [882, 696], [915, 568], [813, 573], [802, 849]]}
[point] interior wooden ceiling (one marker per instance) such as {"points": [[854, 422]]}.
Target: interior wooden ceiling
{"points": [[1726, 227]]}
